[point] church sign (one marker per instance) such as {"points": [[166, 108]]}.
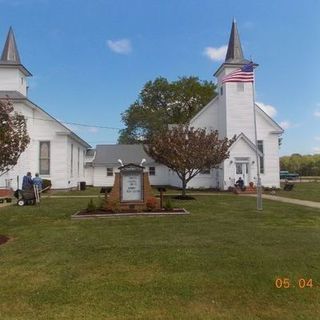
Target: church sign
{"points": [[131, 185]]}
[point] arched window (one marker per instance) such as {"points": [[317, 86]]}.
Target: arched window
{"points": [[44, 157]]}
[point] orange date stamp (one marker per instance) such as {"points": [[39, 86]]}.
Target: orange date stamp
{"points": [[302, 283]]}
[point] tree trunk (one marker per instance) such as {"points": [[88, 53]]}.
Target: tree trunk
{"points": [[184, 186]]}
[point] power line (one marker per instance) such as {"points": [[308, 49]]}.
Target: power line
{"points": [[77, 124], [91, 126]]}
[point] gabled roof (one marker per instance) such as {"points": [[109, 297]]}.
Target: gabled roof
{"points": [[276, 126], [13, 95], [209, 104], [128, 153], [10, 55], [243, 137], [17, 96]]}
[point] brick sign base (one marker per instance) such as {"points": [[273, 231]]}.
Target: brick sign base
{"points": [[115, 195]]}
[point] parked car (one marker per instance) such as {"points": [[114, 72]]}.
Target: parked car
{"points": [[289, 176]]}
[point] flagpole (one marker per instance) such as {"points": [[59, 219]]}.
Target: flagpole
{"points": [[259, 187]]}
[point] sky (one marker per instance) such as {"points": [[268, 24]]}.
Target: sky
{"points": [[91, 58]]}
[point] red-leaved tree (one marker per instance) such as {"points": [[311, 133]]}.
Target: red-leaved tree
{"points": [[188, 151], [14, 137]]}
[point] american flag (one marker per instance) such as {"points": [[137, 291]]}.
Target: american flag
{"points": [[244, 74]]}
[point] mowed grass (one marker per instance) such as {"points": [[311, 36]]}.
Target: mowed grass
{"points": [[220, 262], [303, 191]]}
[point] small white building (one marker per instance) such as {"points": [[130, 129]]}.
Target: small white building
{"points": [[103, 162], [55, 152]]}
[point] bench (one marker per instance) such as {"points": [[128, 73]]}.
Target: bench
{"points": [[5, 195]]}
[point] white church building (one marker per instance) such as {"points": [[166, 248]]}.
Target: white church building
{"points": [[60, 155], [55, 152], [232, 112]]}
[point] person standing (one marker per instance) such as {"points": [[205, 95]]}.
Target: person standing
{"points": [[37, 181], [27, 182]]}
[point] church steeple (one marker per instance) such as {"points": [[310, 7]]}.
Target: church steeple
{"points": [[234, 57], [13, 74], [234, 53], [10, 53]]}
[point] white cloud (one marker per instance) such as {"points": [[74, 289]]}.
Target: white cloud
{"points": [[216, 54], [271, 111], [316, 149], [317, 113], [317, 138], [122, 46], [285, 124]]}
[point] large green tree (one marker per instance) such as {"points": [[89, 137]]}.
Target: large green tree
{"points": [[161, 103], [304, 165]]}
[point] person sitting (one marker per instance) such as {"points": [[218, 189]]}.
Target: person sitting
{"points": [[240, 183], [37, 181], [27, 182]]}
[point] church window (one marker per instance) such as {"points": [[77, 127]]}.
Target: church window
{"points": [[238, 168], [240, 86], [71, 161], [44, 157], [152, 171], [83, 162], [261, 159], [221, 90], [109, 172], [78, 163]]}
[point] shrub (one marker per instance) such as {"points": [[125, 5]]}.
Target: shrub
{"points": [[151, 203], [168, 204], [46, 183], [91, 206]]}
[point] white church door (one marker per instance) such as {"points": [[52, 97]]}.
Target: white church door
{"points": [[242, 170]]}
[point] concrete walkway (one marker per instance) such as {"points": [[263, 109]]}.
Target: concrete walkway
{"points": [[306, 203]]}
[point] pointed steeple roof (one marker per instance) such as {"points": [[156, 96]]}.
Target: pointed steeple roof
{"points": [[234, 53], [10, 54], [234, 56]]}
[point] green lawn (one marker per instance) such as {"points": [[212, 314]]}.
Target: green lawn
{"points": [[220, 262], [94, 191], [303, 191]]}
